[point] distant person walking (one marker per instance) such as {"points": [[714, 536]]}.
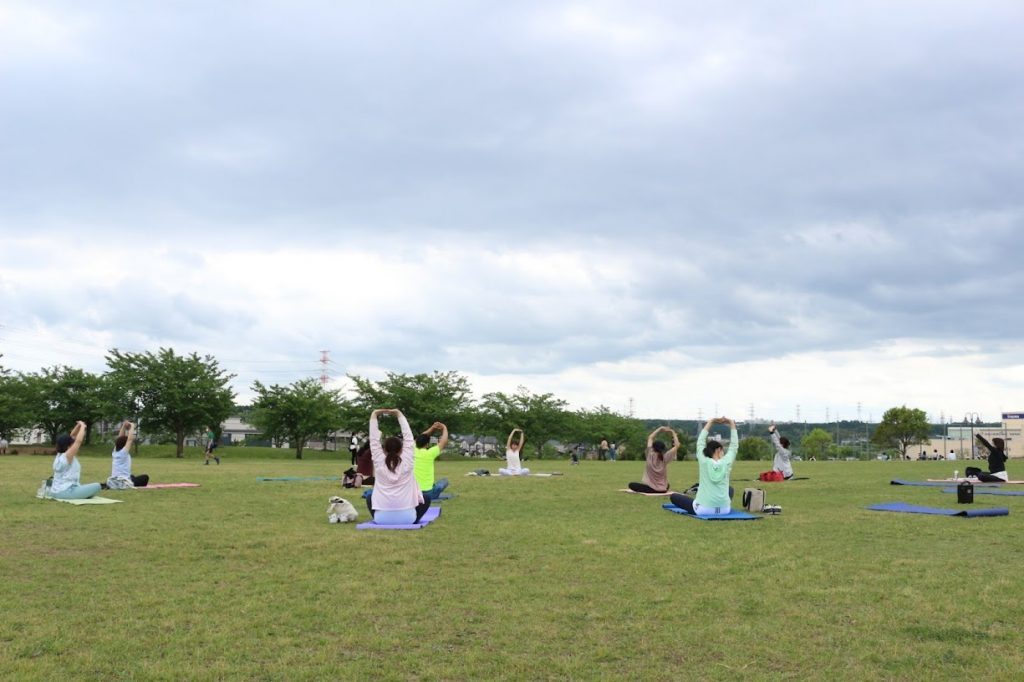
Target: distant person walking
{"points": [[714, 494], [396, 499], [602, 450], [67, 471], [211, 445], [425, 456], [783, 457], [655, 478], [3, 445], [121, 476], [996, 461], [613, 452], [513, 449]]}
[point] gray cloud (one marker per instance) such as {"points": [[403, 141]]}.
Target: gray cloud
{"points": [[738, 181]]}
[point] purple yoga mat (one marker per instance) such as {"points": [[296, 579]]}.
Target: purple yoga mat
{"points": [[429, 517]]}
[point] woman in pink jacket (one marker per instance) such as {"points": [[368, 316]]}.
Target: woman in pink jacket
{"points": [[396, 499]]}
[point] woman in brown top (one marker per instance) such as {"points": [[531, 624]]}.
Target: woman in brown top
{"points": [[656, 472]]}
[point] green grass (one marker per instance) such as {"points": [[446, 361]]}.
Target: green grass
{"points": [[533, 578]]}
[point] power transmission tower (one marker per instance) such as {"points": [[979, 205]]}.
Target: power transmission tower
{"points": [[324, 360]]}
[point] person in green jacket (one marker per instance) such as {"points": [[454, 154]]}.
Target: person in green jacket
{"points": [[714, 494]]}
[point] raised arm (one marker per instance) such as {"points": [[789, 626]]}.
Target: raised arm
{"points": [[128, 429], [78, 433], [702, 439], [734, 442], [408, 440], [674, 450], [376, 450], [508, 443], [981, 439], [775, 438], [442, 442]]}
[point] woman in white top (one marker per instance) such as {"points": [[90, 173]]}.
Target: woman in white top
{"points": [[512, 466], [66, 469], [121, 476], [396, 499]]}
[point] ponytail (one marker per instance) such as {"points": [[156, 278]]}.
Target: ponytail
{"points": [[392, 452]]}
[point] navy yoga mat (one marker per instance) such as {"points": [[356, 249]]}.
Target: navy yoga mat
{"points": [[428, 517], [916, 509], [987, 491], [731, 516]]}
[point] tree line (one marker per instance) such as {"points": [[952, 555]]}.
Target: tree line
{"points": [[177, 396]]}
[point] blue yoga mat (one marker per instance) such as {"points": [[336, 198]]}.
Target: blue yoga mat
{"points": [[916, 509], [731, 516], [429, 517], [937, 484], [989, 491]]}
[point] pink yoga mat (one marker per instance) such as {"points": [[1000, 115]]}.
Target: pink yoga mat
{"points": [[153, 486]]}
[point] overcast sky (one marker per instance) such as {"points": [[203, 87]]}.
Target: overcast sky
{"points": [[726, 206]]}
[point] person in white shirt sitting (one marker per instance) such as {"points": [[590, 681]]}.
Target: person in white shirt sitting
{"points": [[512, 465], [121, 476]]}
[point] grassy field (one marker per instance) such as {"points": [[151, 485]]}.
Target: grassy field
{"points": [[521, 579]]}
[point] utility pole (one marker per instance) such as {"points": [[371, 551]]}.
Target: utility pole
{"points": [[632, 408]]}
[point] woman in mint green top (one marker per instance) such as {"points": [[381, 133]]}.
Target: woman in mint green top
{"points": [[714, 494]]}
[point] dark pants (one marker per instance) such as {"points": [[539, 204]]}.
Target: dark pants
{"points": [[420, 509], [982, 476], [642, 488], [686, 502], [140, 481]]}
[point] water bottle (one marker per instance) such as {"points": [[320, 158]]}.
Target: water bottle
{"points": [[956, 474]]}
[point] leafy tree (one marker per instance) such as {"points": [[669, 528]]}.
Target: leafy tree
{"points": [[900, 428], [14, 404], [541, 416], [297, 412], [177, 394], [629, 434], [816, 443], [57, 397], [423, 398], [754, 448]]}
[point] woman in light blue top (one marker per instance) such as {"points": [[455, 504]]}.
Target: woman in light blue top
{"points": [[714, 494], [66, 469]]}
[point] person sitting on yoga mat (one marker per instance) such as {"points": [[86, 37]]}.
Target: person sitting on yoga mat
{"points": [[364, 463], [996, 462], [512, 466], [783, 457], [66, 469], [655, 478], [121, 476], [423, 466], [714, 494], [396, 499]]}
